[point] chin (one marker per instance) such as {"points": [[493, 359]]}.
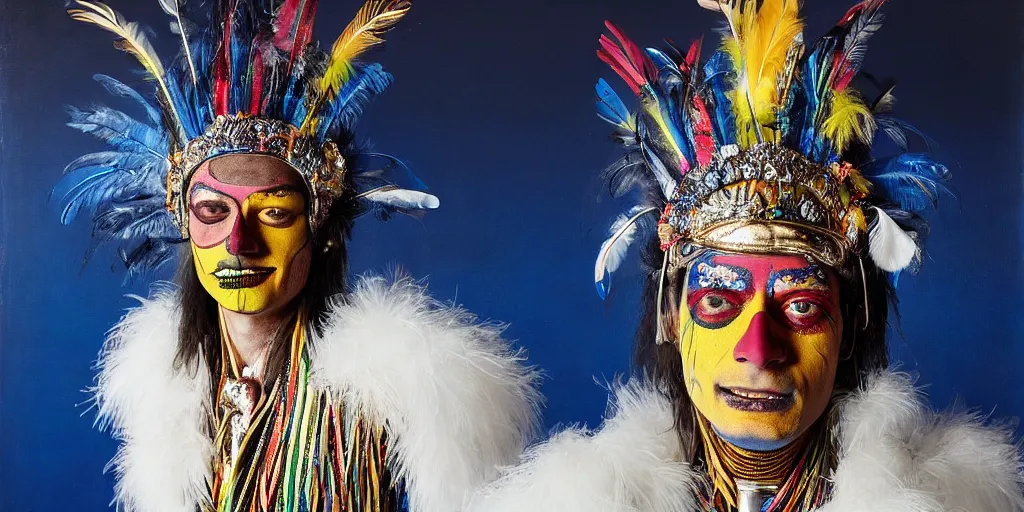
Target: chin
{"points": [[755, 442], [759, 431]]}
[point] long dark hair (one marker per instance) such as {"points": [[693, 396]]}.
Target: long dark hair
{"points": [[863, 348], [199, 329]]}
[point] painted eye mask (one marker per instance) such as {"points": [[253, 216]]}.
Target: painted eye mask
{"points": [[248, 232], [759, 337]]}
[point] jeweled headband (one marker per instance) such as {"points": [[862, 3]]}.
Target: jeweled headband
{"points": [[248, 80], [320, 163], [763, 148]]}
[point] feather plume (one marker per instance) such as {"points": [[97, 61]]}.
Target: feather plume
{"points": [[293, 28], [366, 31], [117, 88], [172, 8], [912, 180], [761, 43], [401, 198], [613, 250], [890, 247], [132, 40], [611, 108], [370, 81], [863, 20], [849, 120], [119, 130], [627, 173], [719, 74]]}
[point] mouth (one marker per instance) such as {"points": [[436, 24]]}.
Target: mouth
{"points": [[234, 279], [756, 400]]}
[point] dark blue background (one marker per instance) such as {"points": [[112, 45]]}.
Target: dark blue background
{"points": [[493, 107]]}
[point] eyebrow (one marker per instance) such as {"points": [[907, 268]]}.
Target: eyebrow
{"points": [[719, 276], [810, 277], [291, 189]]}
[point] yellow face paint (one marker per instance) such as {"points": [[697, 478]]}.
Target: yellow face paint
{"points": [[248, 232], [759, 338]]}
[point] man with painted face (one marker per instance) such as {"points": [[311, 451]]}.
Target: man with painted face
{"points": [[260, 382], [761, 347]]}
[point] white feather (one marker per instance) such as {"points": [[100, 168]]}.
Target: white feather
{"points": [[621, 235], [633, 463], [157, 412], [895, 455], [178, 28], [891, 248], [457, 401], [403, 198]]}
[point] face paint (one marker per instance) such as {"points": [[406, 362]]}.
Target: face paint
{"points": [[759, 338], [248, 231]]}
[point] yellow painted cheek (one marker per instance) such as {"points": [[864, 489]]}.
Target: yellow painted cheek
{"points": [[206, 260], [708, 352]]}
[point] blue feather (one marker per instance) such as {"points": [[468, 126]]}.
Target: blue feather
{"points": [[117, 88], [610, 107], [719, 75], [660, 59], [119, 130], [671, 91], [912, 180], [358, 91]]}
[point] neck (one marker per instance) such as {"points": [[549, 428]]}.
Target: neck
{"points": [[250, 336], [793, 475], [729, 464]]}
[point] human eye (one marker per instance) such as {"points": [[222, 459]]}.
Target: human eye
{"points": [[277, 217], [714, 308], [211, 211], [803, 312]]}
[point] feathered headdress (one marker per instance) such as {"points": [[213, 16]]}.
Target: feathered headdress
{"points": [[251, 81], [765, 148]]}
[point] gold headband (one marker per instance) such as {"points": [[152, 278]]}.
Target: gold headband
{"points": [[321, 165]]}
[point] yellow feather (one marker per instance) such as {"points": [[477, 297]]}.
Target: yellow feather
{"points": [[130, 40], [762, 40], [374, 18], [848, 119], [859, 182]]}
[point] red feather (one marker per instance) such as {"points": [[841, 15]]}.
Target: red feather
{"points": [[257, 76], [866, 5], [612, 55], [693, 54], [293, 27], [702, 135], [632, 50], [222, 66]]}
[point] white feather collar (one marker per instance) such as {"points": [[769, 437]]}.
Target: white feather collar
{"points": [[457, 401], [896, 455]]}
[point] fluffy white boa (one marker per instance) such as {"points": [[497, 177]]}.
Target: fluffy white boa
{"points": [[896, 455], [456, 400]]}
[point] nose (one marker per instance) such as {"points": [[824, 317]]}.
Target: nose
{"points": [[241, 242], [758, 346]]}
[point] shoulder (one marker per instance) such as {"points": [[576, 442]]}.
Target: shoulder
{"points": [[897, 454], [633, 462], [458, 401], [154, 408]]}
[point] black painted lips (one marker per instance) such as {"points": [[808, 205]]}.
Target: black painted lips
{"points": [[256, 277], [776, 402]]}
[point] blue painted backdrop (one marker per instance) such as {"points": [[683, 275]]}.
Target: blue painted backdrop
{"points": [[493, 107]]}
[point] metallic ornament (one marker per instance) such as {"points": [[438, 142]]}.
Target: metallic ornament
{"points": [[321, 165], [766, 199]]}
